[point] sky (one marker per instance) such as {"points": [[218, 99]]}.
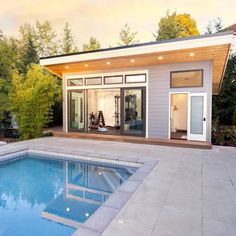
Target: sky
{"points": [[103, 19]]}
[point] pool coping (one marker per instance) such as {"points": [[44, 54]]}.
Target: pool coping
{"points": [[97, 223]]}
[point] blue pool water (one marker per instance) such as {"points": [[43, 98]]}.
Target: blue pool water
{"points": [[42, 197]]}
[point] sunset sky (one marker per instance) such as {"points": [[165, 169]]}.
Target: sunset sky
{"points": [[104, 18]]}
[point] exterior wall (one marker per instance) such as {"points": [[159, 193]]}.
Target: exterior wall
{"points": [[158, 89], [64, 105]]}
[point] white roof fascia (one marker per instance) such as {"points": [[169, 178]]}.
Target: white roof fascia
{"points": [[132, 51]]}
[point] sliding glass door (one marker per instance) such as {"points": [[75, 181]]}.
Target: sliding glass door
{"points": [[77, 110], [133, 111]]}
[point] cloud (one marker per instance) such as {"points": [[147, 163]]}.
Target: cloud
{"points": [[104, 18]]}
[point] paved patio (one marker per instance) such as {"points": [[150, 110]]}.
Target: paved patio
{"points": [[189, 192]]}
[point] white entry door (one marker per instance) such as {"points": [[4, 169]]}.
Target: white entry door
{"points": [[197, 116]]}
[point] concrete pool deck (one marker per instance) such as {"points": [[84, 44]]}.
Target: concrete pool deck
{"points": [[189, 192]]}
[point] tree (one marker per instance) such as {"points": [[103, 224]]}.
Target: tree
{"points": [[224, 104], [32, 97], [45, 39], [1, 35], [176, 26], [29, 55], [67, 43], [7, 62], [92, 45], [126, 36], [214, 26], [43, 36]]}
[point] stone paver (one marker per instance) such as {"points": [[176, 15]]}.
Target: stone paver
{"points": [[189, 192]]}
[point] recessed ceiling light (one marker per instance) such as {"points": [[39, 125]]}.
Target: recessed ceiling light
{"points": [[67, 67], [120, 221], [132, 60], [67, 209], [87, 214], [108, 63], [191, 54], [86, 65], [99, 173], [160, 57]]}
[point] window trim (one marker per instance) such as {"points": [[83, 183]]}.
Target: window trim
{"points": [[111, 76], [75, 79], [88, 78], [181, 71], [145, 75]]}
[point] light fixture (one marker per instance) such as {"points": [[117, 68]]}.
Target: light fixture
{"points": [[191, 54], [160, 57], [120, 221], [67, 209], [108, 63], [86, 65], [87, 214], [132, 60], [99, 173], [67, 67]]}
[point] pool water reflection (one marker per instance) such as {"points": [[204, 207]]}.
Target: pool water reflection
{"points": [[52, 197]]}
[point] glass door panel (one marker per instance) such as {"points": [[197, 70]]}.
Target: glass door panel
{"points": [[76, 110], [133, 111], [197, 117]]}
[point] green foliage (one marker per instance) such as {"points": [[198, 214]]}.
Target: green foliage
{"points": [[176, 26], [43, 36], [224, 104], [126, 36], [1, 35], [93, 44], [29, 55], [214, 26], [7, 61], [67, 43], [234, 117], [32, 97]]}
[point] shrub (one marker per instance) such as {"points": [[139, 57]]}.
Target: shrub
{"points": [[32, 98]]}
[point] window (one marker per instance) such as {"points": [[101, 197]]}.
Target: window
{"points": [[140, 78], [75, 82], [93, 81], [117, 79], [181, 79]]}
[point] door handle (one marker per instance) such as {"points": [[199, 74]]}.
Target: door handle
{"points": [[204, 119]]}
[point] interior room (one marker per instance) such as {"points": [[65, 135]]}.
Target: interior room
{"points": [[104, 111], [179, 115]]}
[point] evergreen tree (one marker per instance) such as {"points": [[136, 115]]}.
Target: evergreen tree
{"points": [[176, 26], [1, 35], [45, 39], [214, 26], [224, 104], [92, 45], [30, 55], [67, 43], [126, 36]]}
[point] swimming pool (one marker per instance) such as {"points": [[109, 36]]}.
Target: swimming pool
{"points": [[41, 196]]}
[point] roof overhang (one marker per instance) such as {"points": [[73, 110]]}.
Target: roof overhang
{"points": [[215, 47]]}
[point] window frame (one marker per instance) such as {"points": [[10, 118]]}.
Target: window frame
{"points": [[145, 75], [75, 79], [111, 76], [181, 71], [96, 77]]}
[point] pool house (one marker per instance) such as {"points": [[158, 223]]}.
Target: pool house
{"points": [[157, 90]]}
